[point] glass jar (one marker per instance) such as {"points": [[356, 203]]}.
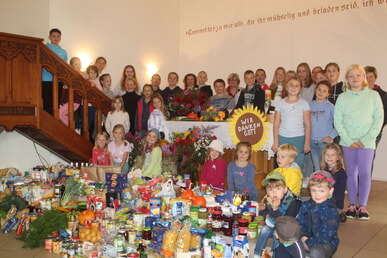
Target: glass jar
{"points": [[202, 217], [217, 221], [146, 236], [252, 231], [243, 223], [246, 215], [227, 224], [260, 222]]}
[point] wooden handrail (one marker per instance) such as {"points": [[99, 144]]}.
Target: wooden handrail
{"points": [[26, 56]]}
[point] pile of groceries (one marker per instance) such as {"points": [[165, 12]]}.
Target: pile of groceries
{"points": [[93, 211]]}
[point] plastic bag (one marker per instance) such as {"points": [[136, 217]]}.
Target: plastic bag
{"points": [[168, 190]]}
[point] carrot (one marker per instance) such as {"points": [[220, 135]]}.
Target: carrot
{"points": [[61, 209]]}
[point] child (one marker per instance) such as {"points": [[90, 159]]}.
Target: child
{"points": [[241, 173], [75, 63], [290, 74], [169, 92], [215, 167], [305, 76], [144, 108], [55, 36], [156, 81], [332, 71], [292, 121], [332, 161], [100, 62], [152, 153], [288, 168], [128, 72], [117, 115], [206, 89], [92, 71], [277, 85], [358, 119], [119, 149], [159, 115], [321, 120], [130, 99], [315, 70], [319, 218], [279, 202], [252, 94], [190, 80], [100, 154], [106, 81], [288, 232]]}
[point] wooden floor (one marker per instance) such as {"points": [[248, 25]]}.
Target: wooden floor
{"points": [[357, 238]]}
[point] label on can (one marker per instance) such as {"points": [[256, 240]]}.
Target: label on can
{"points": [[48, 244], [56, 245]]}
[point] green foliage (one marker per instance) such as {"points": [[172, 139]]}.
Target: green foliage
{"points": [[52, 220], [15, 199]]}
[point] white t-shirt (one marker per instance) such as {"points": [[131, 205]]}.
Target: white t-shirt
{"points": [[292, 117]]}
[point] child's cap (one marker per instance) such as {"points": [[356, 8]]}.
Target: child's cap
{"points": [[288, 228], [216, 145], [156, 131], [323, 175], [273, 175]]}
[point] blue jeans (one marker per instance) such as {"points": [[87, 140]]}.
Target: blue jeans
{"points": [[298, 142], [264, 235], [316, 150]]}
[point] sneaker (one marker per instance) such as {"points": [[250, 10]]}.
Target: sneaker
{"points": [[351, 212], [362, 213], [343, 217]]}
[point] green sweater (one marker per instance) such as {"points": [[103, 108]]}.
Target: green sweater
{"points": [[358, 116], [152, 163]]}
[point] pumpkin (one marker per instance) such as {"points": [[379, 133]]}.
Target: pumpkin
{"points": [[199, 200], [85, 215], [192, 115], [187, 194]]}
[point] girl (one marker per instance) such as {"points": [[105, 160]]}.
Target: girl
{"points": [[332, 161], [128, 72], [277, 85], [158, 116], [321, 119], [119, 149], [305, 76], [100, 154], [130, 99], [144, 108], [92, 71], [215, 167], [106, 82], [320, 76], [241, 173], [117, 115], [152, 153], [332, 71], [292, 121], [358, 119]]}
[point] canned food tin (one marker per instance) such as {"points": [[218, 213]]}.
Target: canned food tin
{"points": [[56, 245], [48, 244]]}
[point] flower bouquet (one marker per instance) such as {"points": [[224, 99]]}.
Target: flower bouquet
{"points": [[187, 101], [136, 145]]}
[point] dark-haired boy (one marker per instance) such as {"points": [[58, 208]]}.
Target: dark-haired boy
{"points": [[55, 37]]}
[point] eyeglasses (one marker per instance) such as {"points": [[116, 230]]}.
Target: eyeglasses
{"points": [[233, 79]]}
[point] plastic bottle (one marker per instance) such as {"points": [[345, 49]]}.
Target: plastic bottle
{"points": [[245, 196], [237, 198]]}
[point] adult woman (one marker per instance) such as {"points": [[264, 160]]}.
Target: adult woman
{"points": [[128, 72]]}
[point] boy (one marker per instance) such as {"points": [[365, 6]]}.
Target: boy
{"points": [[279, 202], [156, 81], [288, 234], [55, 37], [286, 155], [260, 77], [206, 89], [252, 94], [319, 235], [169, 92]]}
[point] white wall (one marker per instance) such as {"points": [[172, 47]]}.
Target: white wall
{"points": [[156, 31], [19, 152]]}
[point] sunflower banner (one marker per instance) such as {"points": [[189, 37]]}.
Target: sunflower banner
{"points": [[248, 124]]}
